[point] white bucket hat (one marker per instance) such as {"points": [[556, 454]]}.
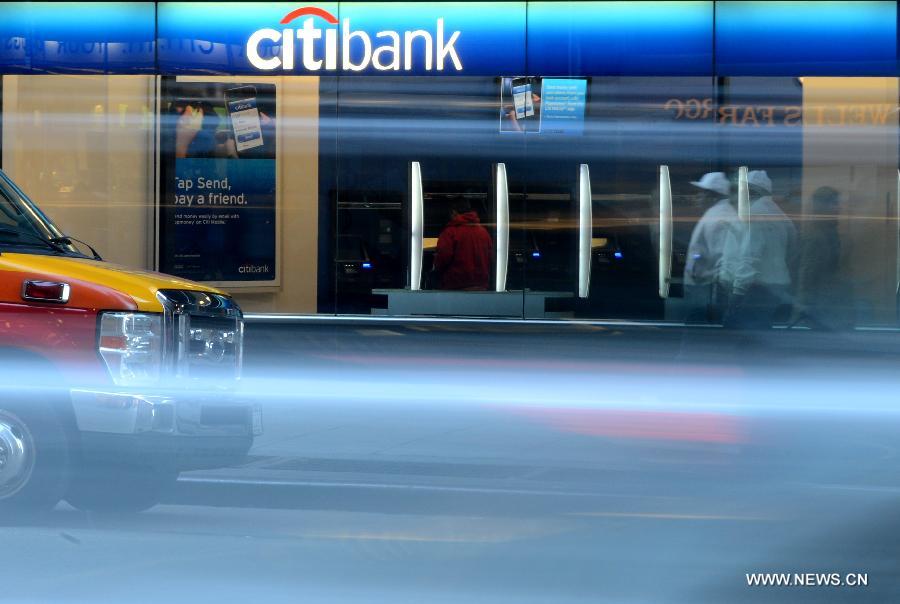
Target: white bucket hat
{"points": [[714, 181], [759, 178]]}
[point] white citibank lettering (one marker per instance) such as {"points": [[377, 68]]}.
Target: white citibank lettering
{"points": [[389, 51]]}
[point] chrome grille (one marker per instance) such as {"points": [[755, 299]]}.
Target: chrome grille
{"points": [[205, 335]]}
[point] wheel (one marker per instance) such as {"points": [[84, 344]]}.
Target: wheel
{"points": [[119, 488], [34, 458]]}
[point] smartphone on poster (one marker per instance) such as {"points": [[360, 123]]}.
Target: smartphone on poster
{"points": [[244, 115], [523, 97]]}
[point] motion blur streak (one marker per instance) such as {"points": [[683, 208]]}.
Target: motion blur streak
{"points": [[699, 427], [514, 463]]}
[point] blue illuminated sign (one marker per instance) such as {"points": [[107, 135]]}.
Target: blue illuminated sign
{"points": [[541, 38], [806, 38], [620, 38], [77, 37]]}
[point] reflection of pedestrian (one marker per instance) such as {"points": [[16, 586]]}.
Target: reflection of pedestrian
{"points": [[821, 294], [762, 275], [705, 250], [464, 250]]}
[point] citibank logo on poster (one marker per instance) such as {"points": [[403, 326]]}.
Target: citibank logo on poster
{"points": [[389, 51]]}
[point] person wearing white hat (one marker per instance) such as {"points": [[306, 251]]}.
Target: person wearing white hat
{"points": [[762, 276], [707, 244], [761, 181]]}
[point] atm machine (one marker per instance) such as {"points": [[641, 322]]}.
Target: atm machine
{"points": [[615, 255]]}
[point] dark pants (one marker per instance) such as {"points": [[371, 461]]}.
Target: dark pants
{"points": [[706, 303], [757, 308]]}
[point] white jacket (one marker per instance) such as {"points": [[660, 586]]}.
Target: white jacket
{"points": [[707, 245], [767, 246]]}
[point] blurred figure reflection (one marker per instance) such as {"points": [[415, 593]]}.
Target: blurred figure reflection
{"points": [[705, 299], [762, 270], [821, 294]]}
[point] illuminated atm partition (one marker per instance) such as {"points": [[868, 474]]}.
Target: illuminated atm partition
{"points": [[502, 237], [585, 230], [416, 226], [665, 232]]}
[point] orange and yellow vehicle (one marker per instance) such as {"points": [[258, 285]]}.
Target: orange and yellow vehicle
{"points": [[112, 380]]}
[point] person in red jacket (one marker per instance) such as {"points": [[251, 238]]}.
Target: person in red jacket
{"points": [[464, 251]]}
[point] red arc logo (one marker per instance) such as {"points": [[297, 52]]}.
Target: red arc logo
{"points": [[313, 11]]}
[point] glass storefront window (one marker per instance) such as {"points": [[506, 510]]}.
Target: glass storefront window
{"points": [[83, 147], [822, 151]]}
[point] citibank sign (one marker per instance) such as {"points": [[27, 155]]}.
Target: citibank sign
{"points": [[389, 50]]}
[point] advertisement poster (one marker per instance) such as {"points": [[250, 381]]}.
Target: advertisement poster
{"points": [[530, 104], [217, 221], [520, 104], [562, 106]]}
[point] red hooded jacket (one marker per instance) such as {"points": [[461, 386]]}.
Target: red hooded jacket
{"points": [[464, 252]]}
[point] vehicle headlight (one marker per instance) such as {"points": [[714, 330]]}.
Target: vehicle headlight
{"points": [[130, 344]]}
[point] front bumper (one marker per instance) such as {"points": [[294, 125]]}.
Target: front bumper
{"points": [[192, 430], [162, 451], [182, 413]]}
